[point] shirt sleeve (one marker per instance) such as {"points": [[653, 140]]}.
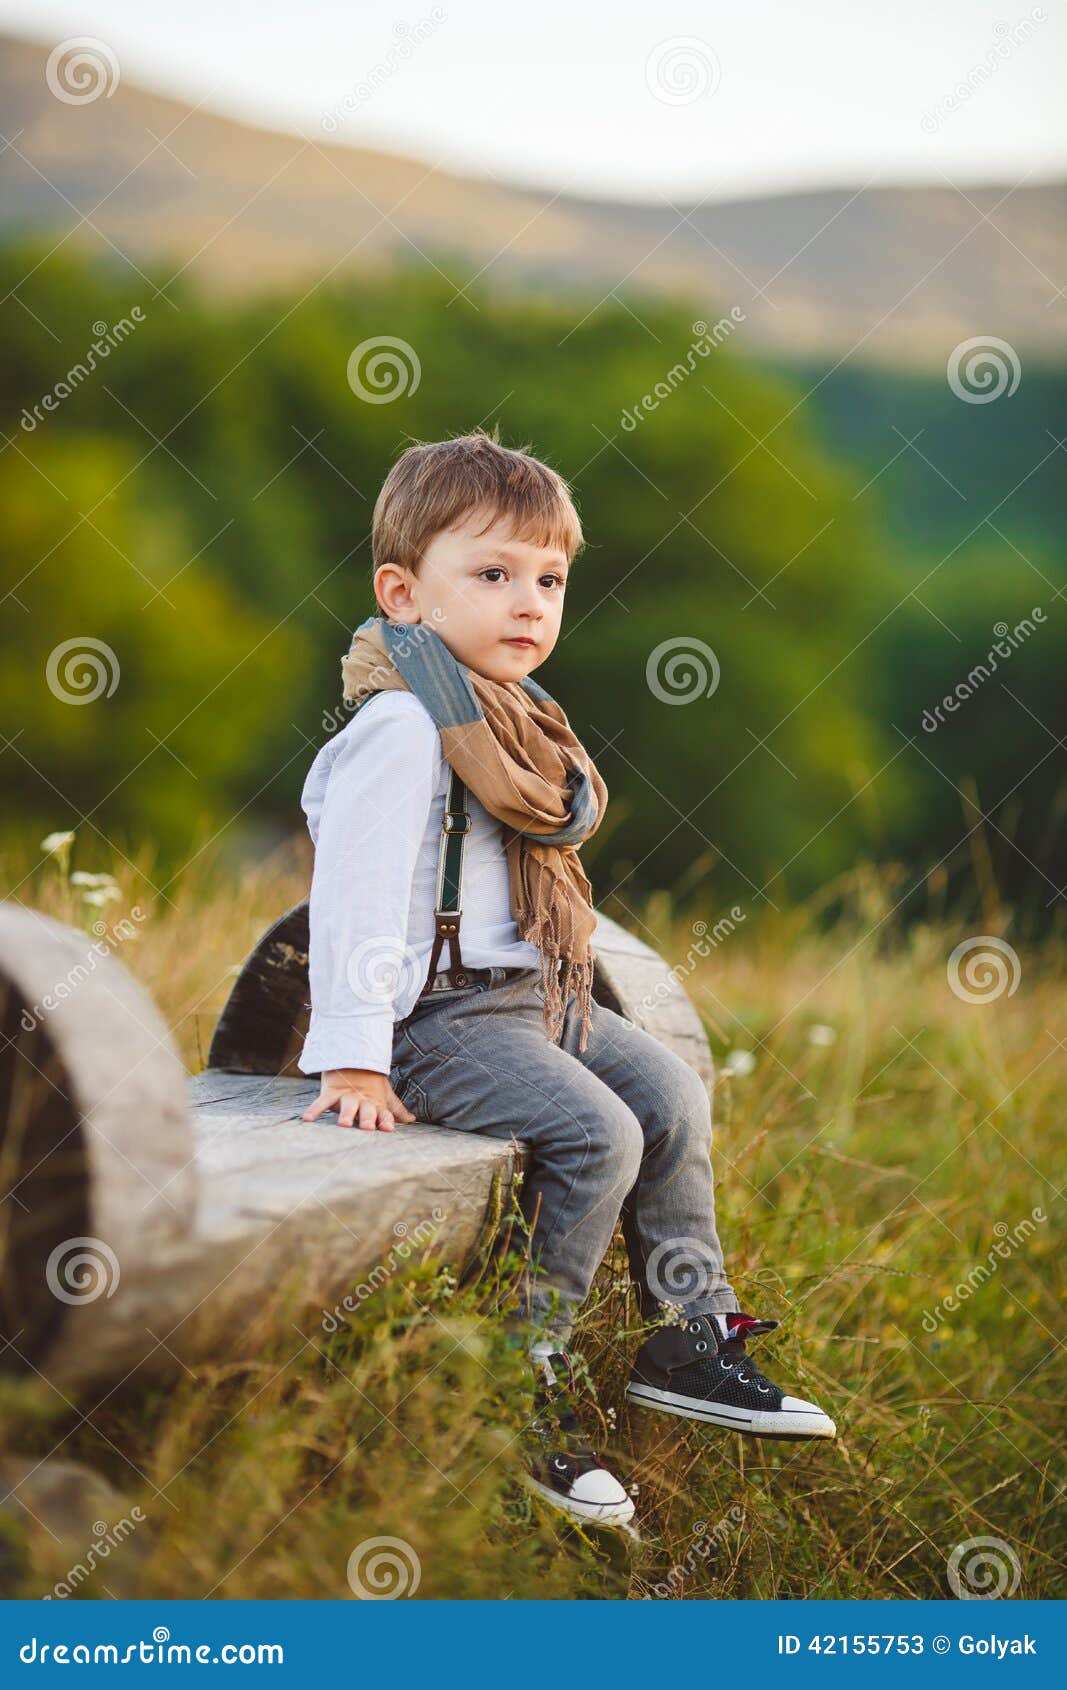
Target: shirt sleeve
{"points": [[370, 827]]}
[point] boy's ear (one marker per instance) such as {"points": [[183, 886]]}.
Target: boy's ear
{"points": [[389, 563]]}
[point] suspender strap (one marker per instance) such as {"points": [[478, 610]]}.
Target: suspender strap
{"points": [[456, 824]]}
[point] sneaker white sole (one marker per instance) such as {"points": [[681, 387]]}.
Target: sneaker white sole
{"points": [[586, 1513], [772, 1423]]}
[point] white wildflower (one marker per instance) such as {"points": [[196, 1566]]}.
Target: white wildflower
{"points": [[56, 842]]}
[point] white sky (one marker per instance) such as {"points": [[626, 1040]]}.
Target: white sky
{"points": [[832, 92]]}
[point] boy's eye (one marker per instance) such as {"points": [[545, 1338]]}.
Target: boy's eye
{"points": [[494, 569]]}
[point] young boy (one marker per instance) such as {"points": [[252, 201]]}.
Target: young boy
{"points": [[473, 543]]}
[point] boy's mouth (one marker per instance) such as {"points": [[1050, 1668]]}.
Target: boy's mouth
{"points": [[521, 640]]}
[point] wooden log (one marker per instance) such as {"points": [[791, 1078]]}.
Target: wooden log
{"points": [[312, 1212], [197, 1204]]}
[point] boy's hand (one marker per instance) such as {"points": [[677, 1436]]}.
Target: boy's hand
{"points": [[362, 1098]]}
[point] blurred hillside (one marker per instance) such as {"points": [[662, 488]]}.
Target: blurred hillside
{"points": [[845, 524], [894, 275]]}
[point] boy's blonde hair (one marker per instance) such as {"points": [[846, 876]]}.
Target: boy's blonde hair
{"points": [[433, 486]]}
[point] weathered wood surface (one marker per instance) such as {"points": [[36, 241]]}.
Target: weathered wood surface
{"points": [[96, 1141], [277, 1196], [263, 1026], [210, 1194]]}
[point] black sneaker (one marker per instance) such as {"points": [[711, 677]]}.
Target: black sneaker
{"points": [[702, 1370], [564, 1468]]}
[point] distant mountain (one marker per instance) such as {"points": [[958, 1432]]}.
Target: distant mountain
{"points": [[887, 275]]}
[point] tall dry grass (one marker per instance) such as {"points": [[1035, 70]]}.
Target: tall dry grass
{"points": [[877, 1137]]}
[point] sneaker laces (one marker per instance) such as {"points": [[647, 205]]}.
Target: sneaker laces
{"points": [[732, 1350]]}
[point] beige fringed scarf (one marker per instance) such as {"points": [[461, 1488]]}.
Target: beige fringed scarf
{"points": [[515, 760]]}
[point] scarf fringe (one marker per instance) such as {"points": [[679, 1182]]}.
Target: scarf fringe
{"points": [[542, 922]]}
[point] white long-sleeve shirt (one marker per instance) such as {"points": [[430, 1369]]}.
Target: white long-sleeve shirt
{"points": [[374, 800]]}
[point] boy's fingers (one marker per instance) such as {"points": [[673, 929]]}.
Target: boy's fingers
{"points": [[361, 1112]]}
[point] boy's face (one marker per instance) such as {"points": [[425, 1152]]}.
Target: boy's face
{"points": [[482, 593]]}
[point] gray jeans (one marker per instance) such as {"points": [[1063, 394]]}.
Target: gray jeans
{"points": [[621, 1131]]}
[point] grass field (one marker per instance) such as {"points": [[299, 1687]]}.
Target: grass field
{"points": [[881, 1142]]}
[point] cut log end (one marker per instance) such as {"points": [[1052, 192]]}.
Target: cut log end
{"points": [[45, 1180]]}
